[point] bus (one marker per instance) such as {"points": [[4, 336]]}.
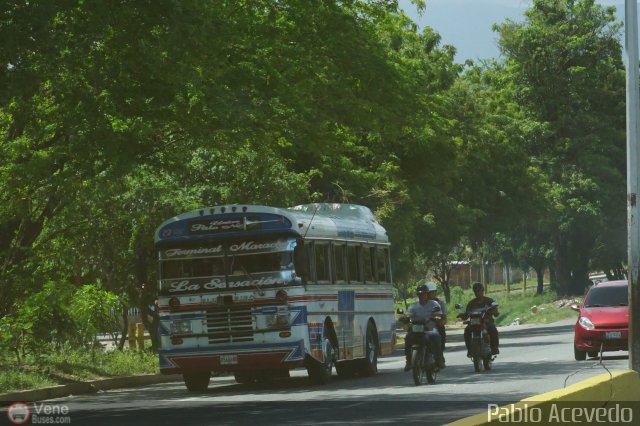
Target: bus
{"points": [[257, 291]]}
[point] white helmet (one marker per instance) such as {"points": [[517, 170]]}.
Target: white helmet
{"points": [[431, 287]]}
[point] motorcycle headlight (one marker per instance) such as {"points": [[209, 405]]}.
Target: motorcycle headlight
{"points": [[586, 323]]}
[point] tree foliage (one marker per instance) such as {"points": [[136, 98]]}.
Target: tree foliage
{"points": [[565, 64], [117, 115]]}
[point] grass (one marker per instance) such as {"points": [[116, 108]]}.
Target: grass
{"points": [[530, 308], [71, 365], [516, 305]]}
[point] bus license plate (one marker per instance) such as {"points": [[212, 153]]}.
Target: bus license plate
{"points": [[228, 359], [613, 335]]}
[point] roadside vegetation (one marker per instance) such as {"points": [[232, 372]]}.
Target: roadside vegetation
{"points": [[68, 365], [115, 117], [53, 339], [519, 305]]}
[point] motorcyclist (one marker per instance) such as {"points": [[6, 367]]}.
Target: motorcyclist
{"points": [[479, 302], [433, 295], [422, 311]]}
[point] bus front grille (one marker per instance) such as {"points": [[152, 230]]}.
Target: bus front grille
{"points": [[230, 324]]}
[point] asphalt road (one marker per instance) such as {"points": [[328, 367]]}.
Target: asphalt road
{"points": [[533, 360]]}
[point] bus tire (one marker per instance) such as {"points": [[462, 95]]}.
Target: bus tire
{"points": [[320, 372], [197, 382], [369, 365]]}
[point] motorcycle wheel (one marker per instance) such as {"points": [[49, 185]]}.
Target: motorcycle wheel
{"points": [[476, 363], [431, 374], [417, 365], [486, 363]]}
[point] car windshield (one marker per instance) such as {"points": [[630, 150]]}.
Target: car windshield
{"points": [[607, 296]]}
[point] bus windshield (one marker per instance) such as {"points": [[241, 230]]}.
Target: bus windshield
{"points": [[221, 266]]}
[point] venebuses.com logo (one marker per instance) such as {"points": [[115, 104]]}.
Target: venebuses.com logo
{"points": [[18, 413]]}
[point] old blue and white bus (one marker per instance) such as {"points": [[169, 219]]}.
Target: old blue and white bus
{"points": [[258, 291]]}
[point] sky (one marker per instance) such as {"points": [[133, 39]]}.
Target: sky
{"points": [[466, 24]]}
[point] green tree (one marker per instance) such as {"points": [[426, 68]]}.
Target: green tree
{"points": [[565, 63]]}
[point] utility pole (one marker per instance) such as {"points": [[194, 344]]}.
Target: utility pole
{"points": [[633, 135]]}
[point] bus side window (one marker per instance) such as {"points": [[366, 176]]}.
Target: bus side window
{"points": [[354, 257], [382, 265], [322, 261], [368, 265], [339, 262], [301, 261]]}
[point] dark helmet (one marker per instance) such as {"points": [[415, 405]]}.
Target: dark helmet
{"points": [[477, 286], [432, 287], [422, 288]]}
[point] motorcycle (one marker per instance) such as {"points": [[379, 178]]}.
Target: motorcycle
{"points": [[423, 363], [480, 348]]}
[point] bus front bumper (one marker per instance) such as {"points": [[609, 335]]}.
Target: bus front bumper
{"points": [[232, 358]]}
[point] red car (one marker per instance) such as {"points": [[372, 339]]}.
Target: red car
{"points": [[603, 322]]}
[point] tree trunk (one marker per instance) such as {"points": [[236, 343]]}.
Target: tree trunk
{"points": [[508, 278], [447, 291], [540, 276], [125, 329], [553, 282], [153, 325], [563, 267]]}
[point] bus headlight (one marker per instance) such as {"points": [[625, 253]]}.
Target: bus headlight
{"points": [[181, 327], [278, 320]]}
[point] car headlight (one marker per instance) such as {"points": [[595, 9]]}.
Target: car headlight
{"points": [[586, 323], [181, 327]]}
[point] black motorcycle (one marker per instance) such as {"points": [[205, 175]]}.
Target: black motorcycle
{"points": [[423, 363], [480, 348]]}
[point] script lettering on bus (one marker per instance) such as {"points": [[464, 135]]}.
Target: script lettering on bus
{"points": [[190, 252], [186, 285], [217, 283], [251, 246], [216, 225], [256, 283]]}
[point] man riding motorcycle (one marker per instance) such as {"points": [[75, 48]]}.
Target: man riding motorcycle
{"points": [[433, 295], [422, 311], [479, 302]]}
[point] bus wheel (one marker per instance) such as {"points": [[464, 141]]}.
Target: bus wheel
{"points": [[369, 365], [197, 382], [320, 372]]}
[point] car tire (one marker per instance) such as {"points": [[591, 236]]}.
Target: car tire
{"points": [[578, 354]]}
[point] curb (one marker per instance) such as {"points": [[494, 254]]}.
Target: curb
{"points": [[88, 387], [616, 386]]}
